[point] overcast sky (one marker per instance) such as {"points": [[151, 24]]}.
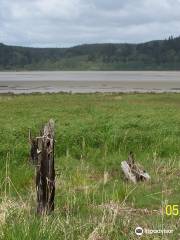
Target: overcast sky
{"points": [[63, 23]]}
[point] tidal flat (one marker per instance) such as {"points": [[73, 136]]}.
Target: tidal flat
{"points": [[90, 81]]}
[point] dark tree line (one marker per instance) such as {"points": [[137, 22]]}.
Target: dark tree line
{"points": [[154, 55]]}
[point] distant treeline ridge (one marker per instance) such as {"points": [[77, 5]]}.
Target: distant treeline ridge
{"points": [[154, 55]]}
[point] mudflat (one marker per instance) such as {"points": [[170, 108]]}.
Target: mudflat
{"points": [[89, 81]]}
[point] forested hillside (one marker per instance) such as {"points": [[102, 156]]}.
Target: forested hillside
{"points": [[154, 55]]}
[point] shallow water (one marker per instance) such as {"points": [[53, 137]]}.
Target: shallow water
{"points": [[86, 82]]}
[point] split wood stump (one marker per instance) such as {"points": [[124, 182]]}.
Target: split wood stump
{"points": [[42, 155], [133, 171]]}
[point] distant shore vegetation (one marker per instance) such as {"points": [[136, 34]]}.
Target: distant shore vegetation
{"points": [[154, 55]]}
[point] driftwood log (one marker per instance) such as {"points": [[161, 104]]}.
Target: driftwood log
{"points": [[134, 171], [42, 156]]}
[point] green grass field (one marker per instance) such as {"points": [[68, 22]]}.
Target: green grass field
{"points": [[94, 133]]}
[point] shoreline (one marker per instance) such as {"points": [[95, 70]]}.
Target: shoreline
{"points": [[88, 87], [92, 92]]}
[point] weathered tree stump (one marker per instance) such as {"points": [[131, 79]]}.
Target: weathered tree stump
{"points": [[134, 171], [42, 154]]}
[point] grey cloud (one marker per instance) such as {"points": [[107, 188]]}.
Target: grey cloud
{"points": [[71, 22]]}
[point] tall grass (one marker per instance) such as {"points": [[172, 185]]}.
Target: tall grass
{"points": [[94, 133]]}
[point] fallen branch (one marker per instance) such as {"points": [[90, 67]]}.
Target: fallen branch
{"points": [[134, 171]]}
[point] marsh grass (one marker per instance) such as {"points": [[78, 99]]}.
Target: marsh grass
{"points": [[94, 133]]}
